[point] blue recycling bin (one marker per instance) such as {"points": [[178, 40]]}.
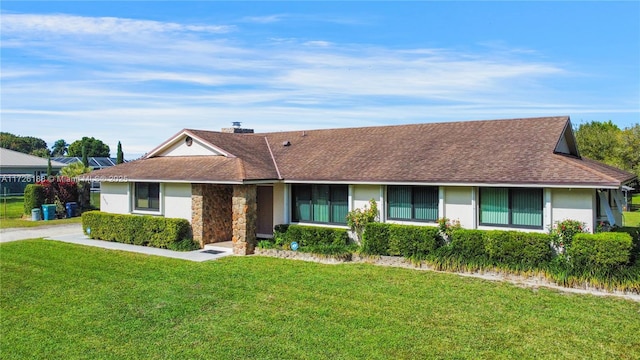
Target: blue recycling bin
{"points": [[72, 209], [35, 214], [48, 212]]}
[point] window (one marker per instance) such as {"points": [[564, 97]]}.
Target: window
{"points": [[320, 203], [147, 196], [418, 203], [511, 207]]}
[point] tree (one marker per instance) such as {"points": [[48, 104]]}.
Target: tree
{"points": [[75, 169], [95, 148], [630, 149], [599, 141], [49, 169], [85, 159], [24, 144], [40, 152], [605, 142], [120, 156], [60, 148]]}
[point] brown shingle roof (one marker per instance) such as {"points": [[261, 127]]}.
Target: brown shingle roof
{"points": [[515, 151], [175, 168]]}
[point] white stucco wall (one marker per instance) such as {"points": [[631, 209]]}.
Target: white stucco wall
{"points": [[458, 205], [574, 204], [176, 200], [361, 194], [280, 205], [114, 197]]}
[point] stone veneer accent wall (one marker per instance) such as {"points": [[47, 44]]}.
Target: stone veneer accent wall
{"points": [[211, 219], [245, 212]]}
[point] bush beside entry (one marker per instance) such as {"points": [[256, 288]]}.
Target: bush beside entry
{"points": [[160, 232], [34, 197]]}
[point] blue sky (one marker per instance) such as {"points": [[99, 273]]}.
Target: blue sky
{"points": [[138, 72]]}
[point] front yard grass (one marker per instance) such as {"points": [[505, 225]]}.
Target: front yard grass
{"points": [[61, 300], [631, 218], [11, 210]]}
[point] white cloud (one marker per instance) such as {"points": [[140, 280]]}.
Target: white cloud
{"points": [[141, 89], [269, 19], [69, 24], [318, 43]]}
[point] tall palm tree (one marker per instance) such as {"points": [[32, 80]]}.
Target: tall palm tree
{"points": [[60, 148]]}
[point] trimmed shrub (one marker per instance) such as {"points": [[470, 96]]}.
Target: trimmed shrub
{"points": [[634, 232], [602, 251], [375, 239], [467, 244], [34, 197], [517, 248], [412, 241], [160, 232], [315, 235]]}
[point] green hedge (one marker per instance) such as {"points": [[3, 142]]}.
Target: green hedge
{"points": [[634, 232], [33, 197], [310, 235], [518, 249], [405, 240], [412, 241], [160, 232], [375, 240], [600, 251], [467, 244]]}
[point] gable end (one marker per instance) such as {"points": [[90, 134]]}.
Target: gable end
{"points": [[186, 143], [567, 143]]}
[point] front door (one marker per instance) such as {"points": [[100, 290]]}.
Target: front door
{"points": [[265, 211]]}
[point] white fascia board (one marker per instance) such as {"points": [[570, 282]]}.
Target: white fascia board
{"points": [[260, 182], [177, 181], [537, 186]]}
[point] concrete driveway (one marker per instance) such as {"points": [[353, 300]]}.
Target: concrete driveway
{"points": [[13, 234]]}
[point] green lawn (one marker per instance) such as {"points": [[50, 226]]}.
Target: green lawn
{"points": [[11, 210], [66, 301], [11, 207], [632, 218]]}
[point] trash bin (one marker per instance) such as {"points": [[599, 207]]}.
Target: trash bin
{"points": [[72, 208], [48, 212], [35, 214]]}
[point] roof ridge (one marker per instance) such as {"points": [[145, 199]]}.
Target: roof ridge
{"points": [[262, 134], [273, 158], [588, 168], [243, 174]]}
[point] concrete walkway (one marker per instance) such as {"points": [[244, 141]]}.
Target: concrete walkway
{"points": [[72, 233]]}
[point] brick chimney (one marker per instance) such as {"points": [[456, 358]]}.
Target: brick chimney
{"points": [[236, 129]]}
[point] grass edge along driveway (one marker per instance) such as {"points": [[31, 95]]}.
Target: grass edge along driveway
{"points": [[62, 300]]}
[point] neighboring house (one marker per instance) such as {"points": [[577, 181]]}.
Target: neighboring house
{"points": [[96, 163], [522, 174], [18, 169]]}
